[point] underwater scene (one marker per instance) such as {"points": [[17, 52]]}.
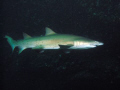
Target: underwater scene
{"points": [[60, 44]]}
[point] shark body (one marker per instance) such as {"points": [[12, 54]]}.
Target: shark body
{"points": [[52, 40]]}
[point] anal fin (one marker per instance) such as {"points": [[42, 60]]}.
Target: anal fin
{"points": [[21, 49]]}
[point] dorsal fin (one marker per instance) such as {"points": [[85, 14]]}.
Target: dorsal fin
{"points": [[49, 31], [26, 36]]}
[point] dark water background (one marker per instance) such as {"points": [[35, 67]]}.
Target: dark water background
{"points": [[53, 69]]}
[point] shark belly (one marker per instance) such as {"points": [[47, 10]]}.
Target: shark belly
{"points": [[51, 47]]}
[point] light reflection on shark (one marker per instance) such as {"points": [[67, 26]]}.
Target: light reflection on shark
{"points": [[52, 40]]}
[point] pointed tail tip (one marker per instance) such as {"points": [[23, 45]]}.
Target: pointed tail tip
{"points": [[11, 42], [6, 36]]}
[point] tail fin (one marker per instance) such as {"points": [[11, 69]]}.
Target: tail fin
{"points": [[11, 42]]}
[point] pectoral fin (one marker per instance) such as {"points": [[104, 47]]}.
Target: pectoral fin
{"points": [[65, 46]]}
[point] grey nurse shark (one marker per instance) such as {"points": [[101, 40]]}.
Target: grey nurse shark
{"points": [[52, 40]]}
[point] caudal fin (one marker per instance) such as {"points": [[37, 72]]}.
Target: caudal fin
{"points": [[11, 42]]}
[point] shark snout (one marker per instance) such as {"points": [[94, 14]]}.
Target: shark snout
{"points": [[96, 43]]}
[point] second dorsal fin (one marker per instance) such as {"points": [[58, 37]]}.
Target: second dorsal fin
{"points": [[49, 31], [26, 36]]}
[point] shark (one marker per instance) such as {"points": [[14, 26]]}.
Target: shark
{"points": [[52, 40]]}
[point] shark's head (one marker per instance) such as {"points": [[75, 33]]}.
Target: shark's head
{"points": [[85, 44], [95, 43]]}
